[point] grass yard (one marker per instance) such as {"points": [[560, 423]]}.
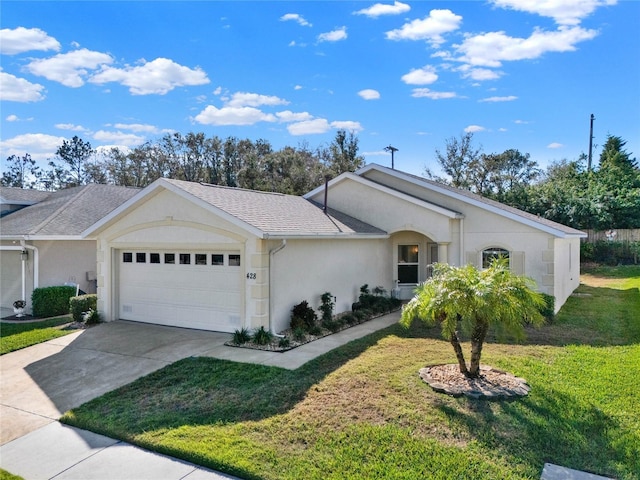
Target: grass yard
{"points": [[361, 411], [14, 336]]}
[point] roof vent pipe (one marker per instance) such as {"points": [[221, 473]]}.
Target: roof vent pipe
{"points": [[326, 190]]}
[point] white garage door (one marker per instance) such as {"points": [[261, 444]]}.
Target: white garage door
{"points": [[192, 289]]}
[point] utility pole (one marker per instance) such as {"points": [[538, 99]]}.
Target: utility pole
{"points": [[392, 150], [590, 143]]}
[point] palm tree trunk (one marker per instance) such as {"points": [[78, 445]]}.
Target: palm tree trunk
{"points": [[455, 341], [477, 340]]}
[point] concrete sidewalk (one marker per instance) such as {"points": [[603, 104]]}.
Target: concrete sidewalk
{"points": [[39, 383]]}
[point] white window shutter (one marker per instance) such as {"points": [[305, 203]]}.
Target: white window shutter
{"points": [[516, 262]]}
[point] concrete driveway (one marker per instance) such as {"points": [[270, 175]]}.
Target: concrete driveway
{"points": [[39, 383]]}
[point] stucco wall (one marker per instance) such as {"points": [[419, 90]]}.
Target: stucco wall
{"points": [[305, 269], [60, 261], [567, 268]]}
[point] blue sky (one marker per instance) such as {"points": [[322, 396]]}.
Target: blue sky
{"points": [[522, 74]]}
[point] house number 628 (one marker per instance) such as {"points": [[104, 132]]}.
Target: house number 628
{"points": [[251, 276]]}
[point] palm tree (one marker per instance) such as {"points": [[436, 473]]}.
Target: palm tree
{"points": [[475, 300]]}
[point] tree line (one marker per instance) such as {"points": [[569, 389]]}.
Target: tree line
{"points": [[193, 157], [607, 196]]}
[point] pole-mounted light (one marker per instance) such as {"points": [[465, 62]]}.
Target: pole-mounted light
{"points": [[392, 150]]}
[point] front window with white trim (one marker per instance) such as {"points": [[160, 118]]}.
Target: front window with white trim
{"points": [[492, 253], [408, 264]]}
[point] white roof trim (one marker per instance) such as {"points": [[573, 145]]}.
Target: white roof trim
{"points": [[390, 191], [154, 188], [471, 201]]}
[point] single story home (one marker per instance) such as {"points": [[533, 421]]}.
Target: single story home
{"points": [[218, 258], [40, 237]]}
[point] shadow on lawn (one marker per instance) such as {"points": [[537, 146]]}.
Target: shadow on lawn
{"points": [[208, 391], [551, 427]]}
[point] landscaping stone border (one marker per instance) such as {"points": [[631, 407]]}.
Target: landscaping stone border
{"points": [[492, 384]]}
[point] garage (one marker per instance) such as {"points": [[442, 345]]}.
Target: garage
{"points": [[192, 289]]}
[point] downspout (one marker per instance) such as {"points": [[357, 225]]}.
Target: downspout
{"points": [[461, 242], [271, 255], [36, 268]]}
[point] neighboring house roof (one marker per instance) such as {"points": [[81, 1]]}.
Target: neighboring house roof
{"points": [[65, 213], [264, 214], [21, 196], [468, 197]]}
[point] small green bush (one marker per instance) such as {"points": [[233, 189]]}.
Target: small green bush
{"points": [[51, 301], [299, 334], [349, 318], [92, 317], [326, 306], [81, 304], [610, 253], [302, 315], [284, 342], [262, 336], [241, 336], [548, 311], [315, 330]]}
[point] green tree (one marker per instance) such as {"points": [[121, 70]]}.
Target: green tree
{"points": [[22, 172], [343, 153], [465, 299], [459, 159], [75, 153]]}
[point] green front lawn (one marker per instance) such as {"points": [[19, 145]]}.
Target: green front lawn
{"points": [[361, 411], [14, 336]]}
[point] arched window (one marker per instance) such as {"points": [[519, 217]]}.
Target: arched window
{"points": [[491, 253]]}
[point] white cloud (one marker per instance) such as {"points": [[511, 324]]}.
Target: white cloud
{"points": [[427, 93], [14, 89], [491, 49], [137, 127], [430, 28], [309, 127], [39, 145], [479, 74], [232, 116], [379, 9], [299, 19], [521, 122], [333, 36], [69, 68], [156, 77], [474, 129], [244, 99], [564, 12], [22, 39], [128, 139], [298, 87], [288, 116], [348, 125], [509, 98], [555, 145], [369, 94], [12, 118], [70, 126], [420, 76]]}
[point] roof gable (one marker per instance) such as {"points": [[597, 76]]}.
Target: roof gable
{"points": [[376, 173], [263, 214]]}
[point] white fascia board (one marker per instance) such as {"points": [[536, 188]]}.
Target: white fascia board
{"points": [[485, 206], [325, 236], [155, 188]]}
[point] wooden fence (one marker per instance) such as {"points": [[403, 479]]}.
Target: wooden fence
{"points": [[625, 235]]}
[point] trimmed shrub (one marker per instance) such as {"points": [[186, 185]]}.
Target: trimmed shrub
{"points": [[81, 304], [610, 253], [302, 315], [51, 301], [92, 317], [548, 310], [327, 306]]}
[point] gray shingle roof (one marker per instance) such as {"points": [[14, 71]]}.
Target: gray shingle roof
{"points": [[66, 212], [21, 196], [276, 213]]}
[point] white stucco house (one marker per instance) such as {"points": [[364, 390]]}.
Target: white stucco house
{"points": [[40, 238], [217, 258]]}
